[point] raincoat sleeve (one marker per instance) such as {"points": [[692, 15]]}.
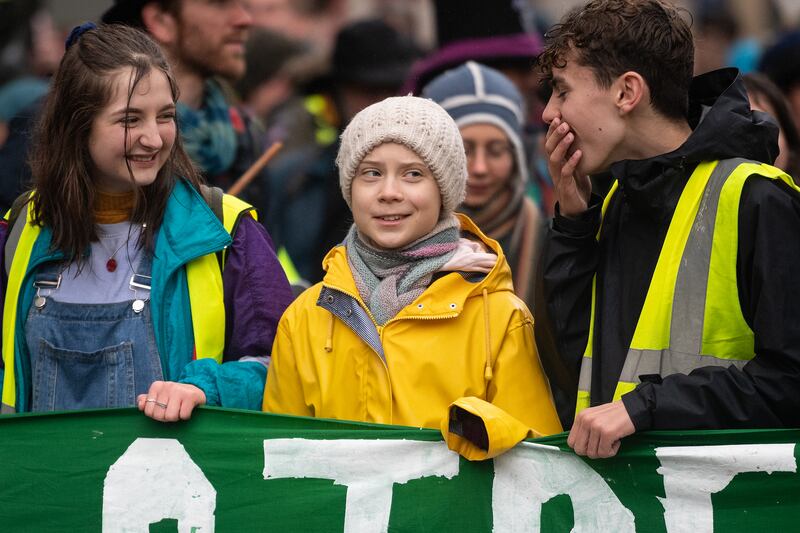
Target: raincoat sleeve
{"points": [[283, 393], [256, 295], [518, 401]]}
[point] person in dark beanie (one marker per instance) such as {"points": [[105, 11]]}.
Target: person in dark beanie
{"points": [[487, 108], [307, 215], [268, 82], [205, 44]]}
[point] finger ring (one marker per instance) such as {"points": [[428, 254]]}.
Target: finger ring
{"points": [[161, 404], [150, 400]]}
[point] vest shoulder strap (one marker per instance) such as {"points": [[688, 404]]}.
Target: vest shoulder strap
{"points": [[228, 209], [16, 224]]}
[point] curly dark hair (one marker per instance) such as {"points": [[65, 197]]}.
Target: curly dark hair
{"points": [[612, 37]]}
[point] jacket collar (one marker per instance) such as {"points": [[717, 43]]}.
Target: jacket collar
{"points": [[722, 127], [189, 229], [445, 297]]}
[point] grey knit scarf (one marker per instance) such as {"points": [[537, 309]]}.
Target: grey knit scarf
{"points": [[389, 280]]}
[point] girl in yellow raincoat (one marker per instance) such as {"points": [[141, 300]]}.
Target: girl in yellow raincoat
{"points": [[417, 307]]}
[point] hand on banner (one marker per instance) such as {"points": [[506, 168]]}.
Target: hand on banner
{"points": [[572, 191], [597, 431], [168, 401]]}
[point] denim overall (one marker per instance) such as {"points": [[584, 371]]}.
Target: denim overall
{"points": [[87, 356]]}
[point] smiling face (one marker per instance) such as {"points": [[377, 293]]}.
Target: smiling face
{"points": [[591, 112], [149, 119], [490, 162], [395, 198]]}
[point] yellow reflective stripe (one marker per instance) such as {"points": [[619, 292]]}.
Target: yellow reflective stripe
{"points": [[623, 387], [206, 295], [653, 329], [207, 303], [19, 268], [587, 352], [583, 401], [726, 333], [232, 207], [288, 266]]}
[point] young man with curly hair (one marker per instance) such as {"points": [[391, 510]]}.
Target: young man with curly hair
{"points": [[673, 303]]}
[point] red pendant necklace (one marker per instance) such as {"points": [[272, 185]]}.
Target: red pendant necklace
{"points": [[111, 264]]}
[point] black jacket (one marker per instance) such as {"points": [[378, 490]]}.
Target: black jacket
{"points": [[766, 392]]}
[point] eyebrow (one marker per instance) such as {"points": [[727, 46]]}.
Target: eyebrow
{"points": [[133, 110], [556, 80], [382, 163]]}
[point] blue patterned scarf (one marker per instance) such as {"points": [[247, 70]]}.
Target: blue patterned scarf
{"points": [[208, 134]]}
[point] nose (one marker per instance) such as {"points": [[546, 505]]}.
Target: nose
{"points": [[551, 111], [241, 16], [390, 190], [477, 163], [150, 136]]}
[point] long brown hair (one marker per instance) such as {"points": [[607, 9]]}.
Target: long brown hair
{"points": [[60, 162]]}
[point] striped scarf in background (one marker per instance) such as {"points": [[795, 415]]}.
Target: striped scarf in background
{"points": [[389, 280]]}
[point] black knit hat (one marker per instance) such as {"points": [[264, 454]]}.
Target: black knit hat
{"points": [[125, 12], [266, 53], [457, 20], [371, 52]]}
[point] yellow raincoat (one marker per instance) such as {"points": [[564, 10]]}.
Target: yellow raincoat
{"points": [[459, 338]]}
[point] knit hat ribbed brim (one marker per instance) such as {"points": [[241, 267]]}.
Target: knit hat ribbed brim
{"points": [[417, 123]]}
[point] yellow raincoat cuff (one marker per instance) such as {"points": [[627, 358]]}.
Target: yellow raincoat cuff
{"points": [[478, 430]]}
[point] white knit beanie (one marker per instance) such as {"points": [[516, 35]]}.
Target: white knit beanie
{"points": [[421, 125]]}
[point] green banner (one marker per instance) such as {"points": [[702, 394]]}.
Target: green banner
{"points": [[225, 470]]}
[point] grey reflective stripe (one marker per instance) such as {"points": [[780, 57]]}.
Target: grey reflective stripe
{"points": [[689, 301], [666, 362], [585, 379], [347, 309], [13, 239], [6, 409]]}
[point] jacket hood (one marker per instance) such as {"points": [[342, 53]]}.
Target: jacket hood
{"points": [[456, 288], [722, 127]]}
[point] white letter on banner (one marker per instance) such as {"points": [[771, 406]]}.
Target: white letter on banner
{"points": [[531, 474], [693, 473], [369, 469], [156, 479]]}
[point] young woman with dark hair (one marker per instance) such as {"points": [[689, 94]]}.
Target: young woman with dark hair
{"points": [[126, 281]]}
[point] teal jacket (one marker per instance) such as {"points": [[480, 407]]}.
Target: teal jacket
{"points": [[189, 230]]}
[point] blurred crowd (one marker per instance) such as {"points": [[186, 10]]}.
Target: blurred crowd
{"points": [[296, 72]]}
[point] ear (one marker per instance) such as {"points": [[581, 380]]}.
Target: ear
{"points": [[160, 24], [630, 90]]}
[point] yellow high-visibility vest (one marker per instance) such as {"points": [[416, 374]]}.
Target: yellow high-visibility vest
{"points": [[203, 277], [691, 316]]}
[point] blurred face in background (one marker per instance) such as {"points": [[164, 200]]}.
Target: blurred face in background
{"points": [[759, 103], [209, 37], [490, 162]]}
